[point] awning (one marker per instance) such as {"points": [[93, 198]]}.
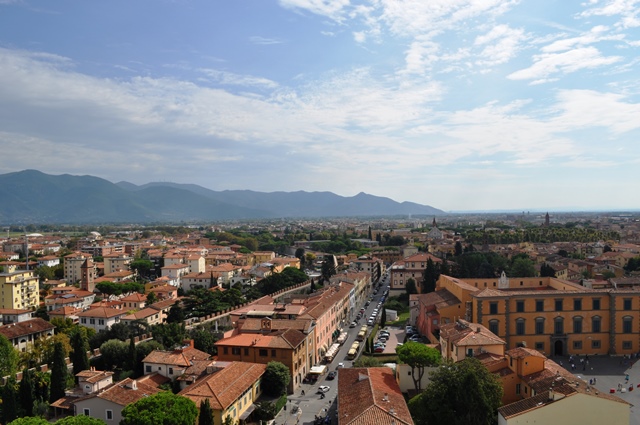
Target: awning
{"points": [[247, 412]]}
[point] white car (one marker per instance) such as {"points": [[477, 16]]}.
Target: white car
{"points": [[323, 389]]}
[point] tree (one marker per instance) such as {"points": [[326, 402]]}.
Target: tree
{"points": [[176, 313], [8, 357], [418, 356], [206, 413], [458, 249], [79, 347], [26, 393], [367, 361], [276, 379], [383, 318], [9, 401], [430, 277], [114, 354], [204, 340], [151, 298], [328, 268], [30, 421], [463, 393], [59, 373], [170, 334], [411, 286], [80, 420], [131, 355], [547, 271], [522, 267], [141, 266], [163, 408]]}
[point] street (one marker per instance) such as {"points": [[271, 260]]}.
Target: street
{"points": [[311, 404]]}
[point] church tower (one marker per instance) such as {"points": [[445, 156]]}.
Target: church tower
{"points": [[87, 282]]}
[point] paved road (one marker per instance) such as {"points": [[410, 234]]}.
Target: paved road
{"points": [[311, 404], [609, 372]]}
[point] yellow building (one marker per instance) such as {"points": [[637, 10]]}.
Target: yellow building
{"points": [[231, 392], [553, 316], [20, 289]]}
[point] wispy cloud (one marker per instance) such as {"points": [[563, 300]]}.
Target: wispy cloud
{"points": [[256, 39], [229, 78]]}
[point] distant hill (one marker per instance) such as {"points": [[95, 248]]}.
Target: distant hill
{"points": [[31, 196]]}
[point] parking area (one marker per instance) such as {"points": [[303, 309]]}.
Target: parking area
{"points": [[396, 335]]}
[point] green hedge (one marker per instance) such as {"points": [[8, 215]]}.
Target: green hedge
{"points": [[281, 402]]}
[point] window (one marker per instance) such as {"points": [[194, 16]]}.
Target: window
{"points": [[84, 321], [595, 343], [273, 353], [147, 369], [577, 304], [626, 304], [109, 415], [577, 325], [558, 305], [520, 327], [558, 326], [518, 388], [539, 346], [225, 350], [539, 305], [493, 308], [493, 326], [86, 412], [627, 324], [246, 351], [577, 345], [595, 304], [263, 353], [92, 321], [596, 324], [170, 371], [235, 351], [627, 345], [539, 325], [101, 322], [520, 306]]}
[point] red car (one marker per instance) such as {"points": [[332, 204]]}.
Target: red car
{"points": [[378, 350]]}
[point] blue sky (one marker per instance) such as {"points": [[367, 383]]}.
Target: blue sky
{"points": [[458, 104]]}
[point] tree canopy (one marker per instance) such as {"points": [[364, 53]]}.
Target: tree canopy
{"points": [[462, 393], [418, 356], [276, 378], [163, 408], [8, 357]]}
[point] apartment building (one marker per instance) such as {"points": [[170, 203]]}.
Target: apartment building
{"points": [[20, 289], [73, 266], [411, 267]]}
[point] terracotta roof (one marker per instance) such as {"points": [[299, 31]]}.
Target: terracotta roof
{"points": [[370, 396], [140, 314], [102, 312], [223, 388], [440, 299], [134, 297], [123, 393], [28, 327], [462, 333], [289, 338], [522, 352], [303, 325], [93, 376], [180, 357]]}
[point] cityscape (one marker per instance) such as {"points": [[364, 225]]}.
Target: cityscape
{"points": [[307, 212], [529, 317]]}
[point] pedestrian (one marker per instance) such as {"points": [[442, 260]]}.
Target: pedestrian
{"points": [[595, 380], [302, 392]]}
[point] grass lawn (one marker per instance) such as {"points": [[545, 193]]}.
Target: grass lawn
{"points": [[402, 319]]}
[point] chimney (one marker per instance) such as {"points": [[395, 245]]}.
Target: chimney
{"points": [[551, 394], [478, 329]]}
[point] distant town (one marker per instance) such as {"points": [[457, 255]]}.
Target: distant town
{"points": [[511, 318]]}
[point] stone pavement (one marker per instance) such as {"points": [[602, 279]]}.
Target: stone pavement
{"points": [[609, 371]]}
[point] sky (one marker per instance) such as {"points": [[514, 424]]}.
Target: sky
{"points": [[457, 104]]}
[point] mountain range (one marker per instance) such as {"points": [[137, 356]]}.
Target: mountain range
{"points": [[31, 196]]}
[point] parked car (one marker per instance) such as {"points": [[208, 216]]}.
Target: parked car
{"points": [[385, 334], [331, 375], [353, 325], [378, 349], [323, 389], [370, 322]]}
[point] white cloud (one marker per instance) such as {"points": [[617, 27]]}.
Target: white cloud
{"points": [[334, 9], [256, 39], [548, 64], [229, 78], [500, 45], [627, 10]]}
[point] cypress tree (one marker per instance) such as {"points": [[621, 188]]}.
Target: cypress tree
{"points": [[26, 393], [206, 413], [80, 346], [59, 373], [132, 355], [9, 401]]}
